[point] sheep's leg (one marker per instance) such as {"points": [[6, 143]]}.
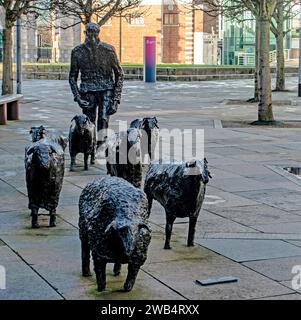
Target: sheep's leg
{"points": [[108, 165], [117, 269], [192, 224], [168, 230], [133, 270], [52, 219], [72, 163], [150, 204], [92, 161], [85, 257], [86, 156], [34, 218], [100, 271]]}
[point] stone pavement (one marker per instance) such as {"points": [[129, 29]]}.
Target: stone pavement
{"points": [[249, 226]]}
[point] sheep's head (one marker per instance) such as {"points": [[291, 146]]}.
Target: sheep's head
{"points": [[82, 123], [42, 154], [37, 133], [150, 123], [124, 235], [198, 168]]}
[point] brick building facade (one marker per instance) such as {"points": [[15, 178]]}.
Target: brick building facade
{"points": [[181, 34], [184, 36]]}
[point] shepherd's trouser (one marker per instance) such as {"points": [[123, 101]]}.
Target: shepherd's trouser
{"points": [[100, 102]]}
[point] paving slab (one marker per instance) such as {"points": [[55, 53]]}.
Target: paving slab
{"points": [[295, 237], [259, 214], [248, 169], [267, 148], [82, 181], [22, 281], [248, 250], [280, 198], [11, 199], [292, 296], [241, 184], [146, 288], [181, 277], [288, 284], [218, 173], [217, 160], [284, 227], [207, 222], [295, 242], [19, 223], [219, 198], [270, 178], [276, 269], [69, 213], [179, 252], [70, 194], [61, 267]]}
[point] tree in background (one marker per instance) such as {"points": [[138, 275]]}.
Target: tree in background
{"points": [[14, 10], [85, 11], [263, 11], [285, 10]]}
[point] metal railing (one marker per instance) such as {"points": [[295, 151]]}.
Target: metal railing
{"points": [[245, 59], [248, 59]]}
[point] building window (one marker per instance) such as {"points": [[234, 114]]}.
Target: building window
{"points": [[136, 21], [171, 19]]}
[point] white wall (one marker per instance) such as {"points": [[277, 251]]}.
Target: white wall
{"points": [[198, 57]]}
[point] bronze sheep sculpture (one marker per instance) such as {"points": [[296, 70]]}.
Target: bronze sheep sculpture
{"points": [[82, 139], [44, 166], [124, 156], [113, 227], [180, 189], [150, 134]]}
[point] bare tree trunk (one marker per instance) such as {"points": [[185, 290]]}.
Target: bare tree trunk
{"points": [[280, 81], [265, 111], [7, 75], [256, 83]]}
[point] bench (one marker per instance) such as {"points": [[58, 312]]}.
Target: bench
{"points": [[9, 107]]}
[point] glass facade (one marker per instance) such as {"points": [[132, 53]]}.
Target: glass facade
{"points": [[239, 40]]}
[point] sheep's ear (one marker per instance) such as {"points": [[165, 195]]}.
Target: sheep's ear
{"points": [[74, 118], [30, 131]]}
